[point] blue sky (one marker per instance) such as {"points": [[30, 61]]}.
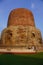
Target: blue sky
{"points": [[36, 6]]}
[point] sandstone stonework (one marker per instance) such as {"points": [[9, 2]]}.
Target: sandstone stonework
{"points": [[21, 16], [21, 36]]}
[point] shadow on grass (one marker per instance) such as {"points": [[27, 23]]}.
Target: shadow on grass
{"points": [[10, 59]]}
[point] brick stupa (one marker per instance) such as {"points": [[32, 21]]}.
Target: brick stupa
{"points": [[21, 16], [21, 32]]}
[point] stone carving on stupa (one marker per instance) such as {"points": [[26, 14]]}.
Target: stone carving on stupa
{"points": [[21, 31]]}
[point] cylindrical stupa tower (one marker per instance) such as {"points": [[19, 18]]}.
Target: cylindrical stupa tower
{"points": [[21, 16], [21, 32]]}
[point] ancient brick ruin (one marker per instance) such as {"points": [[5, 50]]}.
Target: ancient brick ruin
{"points": [[21, 31]]}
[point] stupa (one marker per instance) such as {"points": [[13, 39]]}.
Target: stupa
{"points": [[21, 16], [21, 34]]}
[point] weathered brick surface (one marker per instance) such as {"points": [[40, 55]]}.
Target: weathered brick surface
{"points": [[21, 16], [21, 31]]}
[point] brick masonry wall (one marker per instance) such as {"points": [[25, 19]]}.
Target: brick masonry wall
{"points": [[21, 16]]}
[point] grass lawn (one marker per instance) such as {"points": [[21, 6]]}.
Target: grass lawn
{"points": [[21, 59]]}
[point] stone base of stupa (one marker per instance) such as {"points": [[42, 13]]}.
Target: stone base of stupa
{"points": [[17, 51], [20, 39]]}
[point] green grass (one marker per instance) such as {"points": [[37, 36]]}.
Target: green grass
{"points": [[21, 59]]}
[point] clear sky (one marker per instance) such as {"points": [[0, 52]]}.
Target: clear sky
{"points": [[36, 6]]}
